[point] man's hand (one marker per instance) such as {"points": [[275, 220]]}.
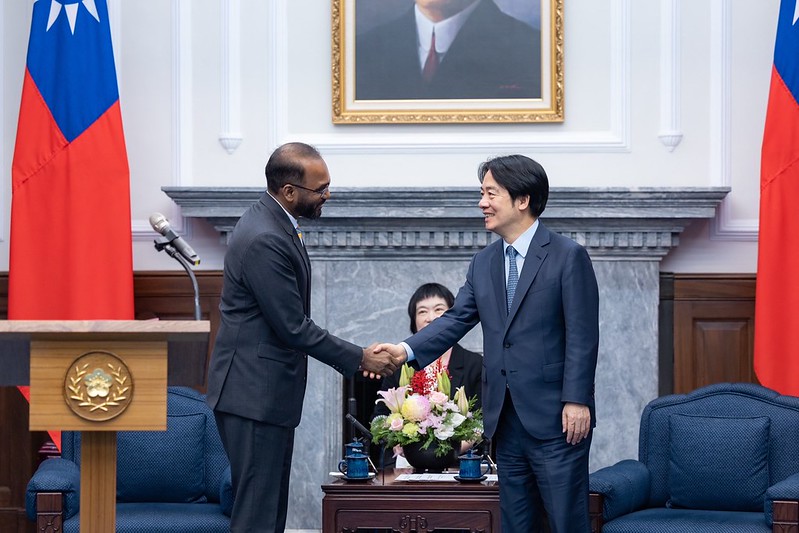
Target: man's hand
{"points": [[378, 363], [396, 350], [576, 420], [395, 353]]}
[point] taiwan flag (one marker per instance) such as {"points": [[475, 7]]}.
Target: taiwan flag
{"points": [[70, 255], [777, 302]]}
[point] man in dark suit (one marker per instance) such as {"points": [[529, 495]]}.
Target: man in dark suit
{"points": [[478, 52], [258, 370], [535, 294]]}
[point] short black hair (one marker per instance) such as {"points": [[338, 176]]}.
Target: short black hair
{"points": [[428, 290], [520, 176], [285, 165]]}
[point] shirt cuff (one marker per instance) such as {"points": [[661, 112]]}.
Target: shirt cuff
{"points": [[408, 351]]}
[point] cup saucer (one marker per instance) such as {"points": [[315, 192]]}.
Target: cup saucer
{"points": [[470, 479], [367, 478]]}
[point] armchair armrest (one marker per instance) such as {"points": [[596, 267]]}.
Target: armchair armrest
{"points": [[785, 490], [55, 475], [625, 487], [226, 493]]}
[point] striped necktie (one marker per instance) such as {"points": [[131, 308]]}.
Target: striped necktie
{"points": [[513, 275]]}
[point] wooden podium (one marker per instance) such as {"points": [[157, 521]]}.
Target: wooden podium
{"points": [[100, 377]]}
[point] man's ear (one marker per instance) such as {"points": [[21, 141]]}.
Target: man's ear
{"points": [[524, 202], [289, 192]]}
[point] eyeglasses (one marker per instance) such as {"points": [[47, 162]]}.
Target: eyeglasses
{"points": [[320, 192]]}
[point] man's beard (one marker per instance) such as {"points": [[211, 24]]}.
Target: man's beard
{"points": [[310, 210]]}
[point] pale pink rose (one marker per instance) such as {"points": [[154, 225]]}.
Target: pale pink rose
{"points": [[438, 398], [396, 422]]}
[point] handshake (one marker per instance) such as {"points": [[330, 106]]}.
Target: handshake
{"points": [[380, 360]]}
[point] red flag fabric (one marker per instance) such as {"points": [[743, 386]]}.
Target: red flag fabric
{"points": [[777, 297], [70, 256]]}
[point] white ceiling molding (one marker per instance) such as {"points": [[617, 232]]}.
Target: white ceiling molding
{"points": [[724, 228], [364, 142], [230, 137], [670, 133]]}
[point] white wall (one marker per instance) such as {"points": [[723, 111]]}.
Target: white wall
{"points": [[633, 70]]}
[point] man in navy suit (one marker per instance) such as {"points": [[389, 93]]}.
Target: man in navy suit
{"points": [[478, 52], [259, 366], [535, 294]]}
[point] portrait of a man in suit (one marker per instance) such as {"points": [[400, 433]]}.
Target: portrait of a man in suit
{"points": [[447, 49]]}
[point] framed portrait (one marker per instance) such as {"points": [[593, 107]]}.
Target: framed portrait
{"points": [[447, 61]]}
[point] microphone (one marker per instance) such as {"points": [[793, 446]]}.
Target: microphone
{"points": [[360, 427], [160, 224]]}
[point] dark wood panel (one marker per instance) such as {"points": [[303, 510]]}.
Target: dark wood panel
{"points": [[163, 295], [713, 333], [722, 287], [170, 296]]}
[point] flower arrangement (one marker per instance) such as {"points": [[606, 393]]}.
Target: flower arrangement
{"points": [[420, 409]]}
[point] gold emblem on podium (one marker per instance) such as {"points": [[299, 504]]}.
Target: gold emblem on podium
{"points": [[98, 386]]}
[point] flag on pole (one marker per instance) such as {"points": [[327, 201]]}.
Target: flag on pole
{"points": [[777, 297], [70, 256]]}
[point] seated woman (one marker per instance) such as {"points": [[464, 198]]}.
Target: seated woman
{"points": [[464, 367]]}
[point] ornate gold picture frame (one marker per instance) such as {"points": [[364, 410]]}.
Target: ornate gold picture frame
{"points": [[492, 61]]}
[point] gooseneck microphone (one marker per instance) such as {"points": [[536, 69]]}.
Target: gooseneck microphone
{"points": [[160, 224], [171, 243], [360, 427]]}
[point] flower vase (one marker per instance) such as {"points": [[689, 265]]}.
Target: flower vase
{"points": [[426, 460]]}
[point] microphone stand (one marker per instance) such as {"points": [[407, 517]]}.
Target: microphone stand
{"points": [[162, 243]]}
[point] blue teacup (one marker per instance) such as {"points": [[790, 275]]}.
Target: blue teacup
{"points": [[472, 466], [354, 466]]}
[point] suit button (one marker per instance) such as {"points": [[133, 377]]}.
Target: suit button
{"points": [[508, 345], [502, 371]]}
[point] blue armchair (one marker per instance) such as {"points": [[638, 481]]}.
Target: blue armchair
{"points": [[170, 481], [721, 459]]}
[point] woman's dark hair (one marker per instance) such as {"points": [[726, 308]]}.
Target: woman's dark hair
{"points": [[285, 165], [520, 176], [428, 290]]}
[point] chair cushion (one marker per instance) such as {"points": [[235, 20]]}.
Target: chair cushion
{"points": [[662, 520], [163, 466], [163, 518], [718, 463]]}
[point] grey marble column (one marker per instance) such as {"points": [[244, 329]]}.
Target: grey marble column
{"points": [[373, 247]]}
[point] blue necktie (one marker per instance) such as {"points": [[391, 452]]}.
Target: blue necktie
{"points": [[513, 274], [299, 234]]}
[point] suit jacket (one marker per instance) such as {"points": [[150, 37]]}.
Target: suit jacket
{"points": [[465, 369], [493, 56], [545, 350], [259, 364]]}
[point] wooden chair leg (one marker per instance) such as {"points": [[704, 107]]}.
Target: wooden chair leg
{"points": [[786, 517], [595, 503], [48, 512]]}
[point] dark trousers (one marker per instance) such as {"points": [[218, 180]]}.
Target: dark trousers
{"points": [[540, 478], [260, 465]]}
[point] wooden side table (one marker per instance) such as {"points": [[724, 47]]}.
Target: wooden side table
{"points": [[410, 506]]}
